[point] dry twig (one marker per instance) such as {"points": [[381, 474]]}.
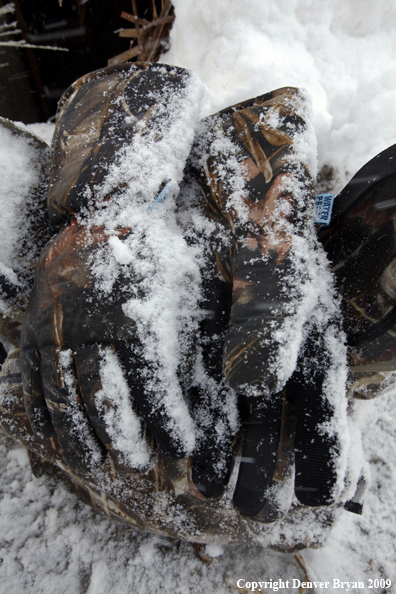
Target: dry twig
{"points": [[148, 35], [201, 554], [299, 559]]}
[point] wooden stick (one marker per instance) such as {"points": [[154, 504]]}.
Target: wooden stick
{"points": [[156, 37], [133, 19], [138, 35], [154, 10], [124, 57], [163, 21], [128, 33], [143, 30]]}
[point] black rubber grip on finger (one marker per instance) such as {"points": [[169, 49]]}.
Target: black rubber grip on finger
{"points": [[212, 458], [208, 481], [315, 452], [259, 455], [212, 464], [154, 414]]}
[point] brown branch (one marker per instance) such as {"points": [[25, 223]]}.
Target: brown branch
{"points": [[201, 554], [148, 34], [156, 37], [143, 30], [154, 10], [128, 33], [162, 21], [125, 56], [133, 19], [138, 35]]}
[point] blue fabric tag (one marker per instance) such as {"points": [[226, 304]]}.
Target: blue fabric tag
{"points": [[161, 196], [323, 207]]}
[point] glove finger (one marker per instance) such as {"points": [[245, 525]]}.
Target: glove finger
{"points": [[81, 449], [212, 458], [315, 450], [35, 405], [153, 412], [211, 467], [108, 404], [260, 452]]}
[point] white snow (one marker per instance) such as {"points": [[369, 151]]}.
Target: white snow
{"points": [[122, 424], [13, 192], [44, 131], [343, 53]]}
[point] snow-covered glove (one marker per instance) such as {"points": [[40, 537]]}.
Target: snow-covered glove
{"points": [[24, 162], [99, 341], [75, 386], [254, 163]]}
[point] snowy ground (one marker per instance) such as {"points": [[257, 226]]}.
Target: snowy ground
{"points": [[343, 53], [50, 542]]}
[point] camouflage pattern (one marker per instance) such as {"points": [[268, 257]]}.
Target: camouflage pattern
{"points": [[164, 500], [64, 312], [96, 116], [362, 249], [255, 265], [256, 258]]}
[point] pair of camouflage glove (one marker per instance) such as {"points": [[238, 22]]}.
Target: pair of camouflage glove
{"points": [[264, 337]]}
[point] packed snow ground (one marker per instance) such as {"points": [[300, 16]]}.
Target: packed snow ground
{"points": [[342, 52]]}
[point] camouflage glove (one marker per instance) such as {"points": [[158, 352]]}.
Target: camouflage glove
{"points": [[257, 202], [70, 339], [253, 172], [121, 134]]}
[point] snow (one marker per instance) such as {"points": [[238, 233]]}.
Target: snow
{"points": [[51, 542], [122, 424], [12, 195], [43, 131], [342, 52]]}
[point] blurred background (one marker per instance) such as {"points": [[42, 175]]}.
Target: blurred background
{"points": [[32, 79]]}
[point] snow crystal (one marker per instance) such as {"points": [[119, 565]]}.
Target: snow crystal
{"points": [[155, 156], [214, 550], [43, 131]]}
